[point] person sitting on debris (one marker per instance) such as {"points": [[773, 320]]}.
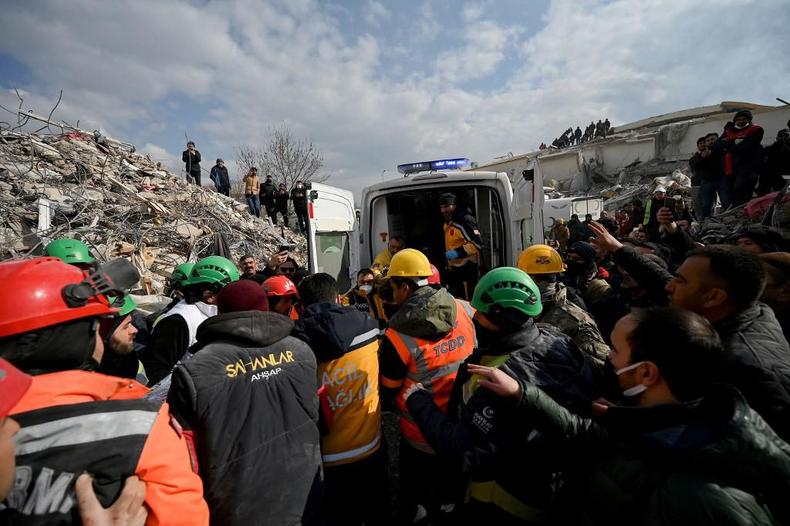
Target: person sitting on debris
{"points": [[742, 155], [252, 187], [219, 175], [175, 331], [191, 158], [281, 204], [776, 164], [247, 398]]}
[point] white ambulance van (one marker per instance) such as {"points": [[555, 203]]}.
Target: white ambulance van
{"points": [[342, 239]]}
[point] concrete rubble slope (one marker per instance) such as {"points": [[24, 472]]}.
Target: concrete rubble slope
{"points": [[122, 204]]}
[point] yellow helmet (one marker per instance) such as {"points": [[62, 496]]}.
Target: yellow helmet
{"points": [[540, 259], [409, 263]]}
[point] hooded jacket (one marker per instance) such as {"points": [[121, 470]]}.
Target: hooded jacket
{"points": [[346, 345], [484, 433], [248, 397], [711, 461]]}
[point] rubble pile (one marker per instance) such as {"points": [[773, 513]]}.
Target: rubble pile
{"points": [[122, 204]]}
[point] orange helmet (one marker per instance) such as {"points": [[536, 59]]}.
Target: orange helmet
{"points": [[280, 286], [435, 278], [40, 292]]}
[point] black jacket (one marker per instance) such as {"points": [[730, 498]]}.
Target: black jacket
{"points": [[757, 362], [709, 462], [192, 162], [485, 435], [299, 197], [329, 329], [249, 396], [705, 169], [463, 219], [281, 200], [266, 193]]}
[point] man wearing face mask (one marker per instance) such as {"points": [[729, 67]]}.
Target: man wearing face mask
{"points": [[484, 434], [742, 156], [582, 274], [360, 296], [544, 265], [683, 450], [299, 199]]}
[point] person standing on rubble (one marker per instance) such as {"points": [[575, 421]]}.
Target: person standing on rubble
{"points": [[191, 158], [219, 174], [267, 193], [299, 199], [743, 156], [607, 126], [777, 164], [281, 204], [252, 186], [577, 135]]}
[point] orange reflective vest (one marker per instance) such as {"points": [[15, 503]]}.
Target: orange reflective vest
{"points": [[434, 364], [352, 383]]}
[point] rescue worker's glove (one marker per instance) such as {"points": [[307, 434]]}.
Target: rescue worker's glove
{"points": [[454, 254]]}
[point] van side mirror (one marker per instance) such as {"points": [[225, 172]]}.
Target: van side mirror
{"points": [[313, 195], [529, 175]]}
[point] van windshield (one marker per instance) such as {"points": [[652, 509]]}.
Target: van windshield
{"points": [[414, 215]]}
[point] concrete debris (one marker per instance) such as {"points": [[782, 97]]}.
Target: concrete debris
{"points": [[122, 204]]}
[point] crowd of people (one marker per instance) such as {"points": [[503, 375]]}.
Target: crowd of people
{"points": [[273, 199], [571, 137], [626, 375]]}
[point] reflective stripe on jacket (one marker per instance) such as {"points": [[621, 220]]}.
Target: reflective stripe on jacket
{"points": [[352, 383], [434, 364]]}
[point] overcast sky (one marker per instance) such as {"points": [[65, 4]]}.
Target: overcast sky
{"points": [[377, 83]]}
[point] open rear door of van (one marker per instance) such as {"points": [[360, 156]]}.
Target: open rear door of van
{"points": [[333, 234], [526, 210]]}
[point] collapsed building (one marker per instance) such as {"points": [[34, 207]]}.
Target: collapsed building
{"points": [[637, 156], [83, 185]]}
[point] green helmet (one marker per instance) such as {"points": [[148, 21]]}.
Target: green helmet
{"points": [[213, 269], [181, 273], [128, 306], [69, 251], [507, 287]]}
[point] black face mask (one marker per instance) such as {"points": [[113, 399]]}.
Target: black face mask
{"points": [[610, 387]]}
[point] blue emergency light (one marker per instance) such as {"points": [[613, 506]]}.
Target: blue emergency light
{"points": [[439, 164]]}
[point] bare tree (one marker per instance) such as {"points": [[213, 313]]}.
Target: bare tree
{"points": [[285, 157]]}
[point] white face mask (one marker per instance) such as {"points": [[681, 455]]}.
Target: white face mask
{"points": [[741, 127], [637, 389], [365, 289]]}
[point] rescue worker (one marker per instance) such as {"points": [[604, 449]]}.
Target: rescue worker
{"points": [[72, 252], [581, 274], [427, 339], [247, 398], [462, 243], [118, 334], [359, 297], [382, 260], [282, 295], [176, 282], [175, 331], [511, 469], [650, 223], [382, 305], [544, 265], [685, 450], [346, 345], [435, 279], [561, 233], [49, 312]]}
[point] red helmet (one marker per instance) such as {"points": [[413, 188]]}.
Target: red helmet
{"points": [[280, 286], [435, 278], [31, 295]]}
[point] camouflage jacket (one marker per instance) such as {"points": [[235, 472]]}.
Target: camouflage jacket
{"points": [[575, 322]]}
